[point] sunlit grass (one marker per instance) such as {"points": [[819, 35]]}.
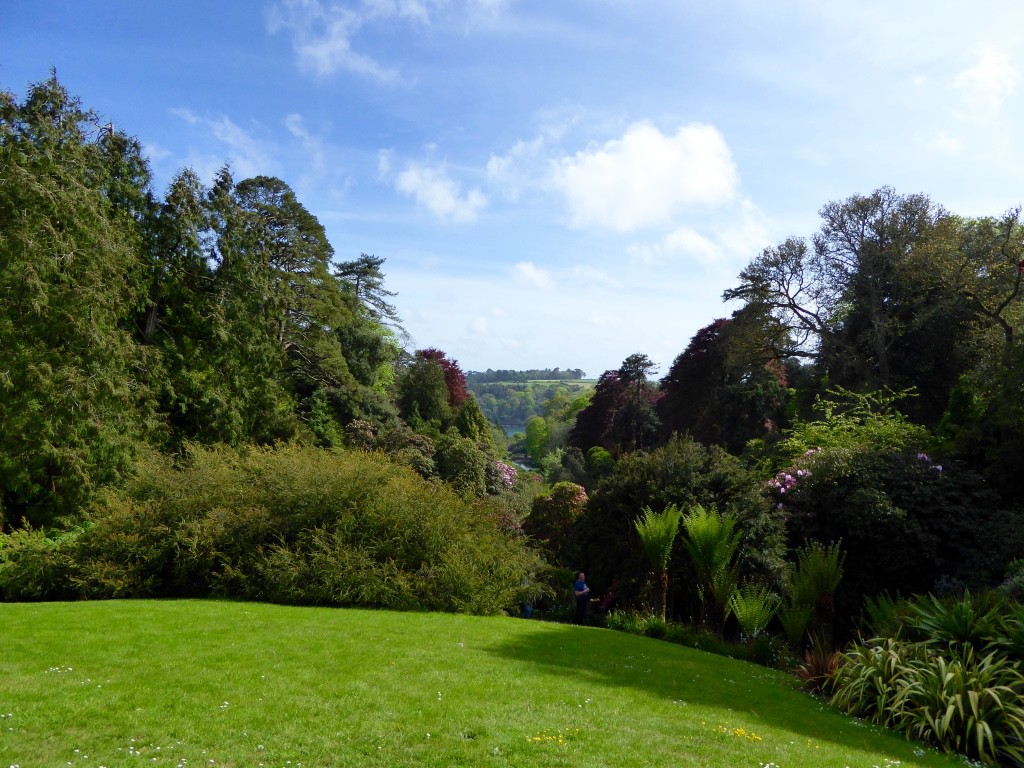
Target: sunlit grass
{"points": [[183, 684]]}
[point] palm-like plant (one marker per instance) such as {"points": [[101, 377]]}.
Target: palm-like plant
{"points": [[753, 606], [951, 622], [813, 582], [711, 541], [657, 532]]}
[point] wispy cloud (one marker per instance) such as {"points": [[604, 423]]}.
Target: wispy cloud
{"points": [[534, 275], [517, 168], [646, 177], [433, 188], [247, 155], [987, 84], [322, 34], [313, 145]]}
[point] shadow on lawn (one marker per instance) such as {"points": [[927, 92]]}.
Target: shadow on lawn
{"points": [[679, 674]]}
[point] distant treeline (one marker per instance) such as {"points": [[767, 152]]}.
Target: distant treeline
{"points": [[537, 374]]}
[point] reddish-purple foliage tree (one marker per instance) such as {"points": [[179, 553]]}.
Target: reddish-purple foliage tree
{"points": [[453, 375], [621, 416], [724, 388]]}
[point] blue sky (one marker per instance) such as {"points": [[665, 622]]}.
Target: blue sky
{"points": [[554, 183]]}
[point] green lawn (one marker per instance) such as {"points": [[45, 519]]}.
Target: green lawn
{"points": [[204, 683]]}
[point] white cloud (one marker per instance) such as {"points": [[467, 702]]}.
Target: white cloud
{"points": [[322, 34], [442, 195], [738, 233], [645, 178], [988, 84], [479, 326], [682, 244], [534, 275]]}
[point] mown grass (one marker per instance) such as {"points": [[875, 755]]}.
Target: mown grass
{"points": [[194, 683]]}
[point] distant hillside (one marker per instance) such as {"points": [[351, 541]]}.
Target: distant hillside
{"points": [[510, 398]]}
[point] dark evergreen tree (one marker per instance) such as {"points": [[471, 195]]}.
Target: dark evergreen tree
{"points": [[621, 416], [69, 285]]}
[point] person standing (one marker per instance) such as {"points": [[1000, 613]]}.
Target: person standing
{"points": [[582, 593]]}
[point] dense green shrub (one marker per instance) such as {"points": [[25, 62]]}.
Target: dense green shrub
{"points": [[684, 473], [905, 522], [461, 463], [553, 521], [290, 524], [32, 566], [128, 550]]}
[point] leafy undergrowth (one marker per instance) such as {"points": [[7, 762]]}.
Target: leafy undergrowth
{"points": [[205, 683]]}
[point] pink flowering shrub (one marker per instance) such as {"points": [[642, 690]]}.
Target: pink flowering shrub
{"points": [[506, 474], [787, 480]]}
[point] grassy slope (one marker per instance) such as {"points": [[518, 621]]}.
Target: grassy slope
{"points": [[192, 683]]}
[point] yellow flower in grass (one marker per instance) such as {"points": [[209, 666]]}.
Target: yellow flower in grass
{"points": [[554, 737], [739, 733]]}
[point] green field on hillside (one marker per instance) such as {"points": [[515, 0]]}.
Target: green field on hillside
{"points": [[205, 683]]}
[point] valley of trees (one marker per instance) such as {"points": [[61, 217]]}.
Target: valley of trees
{"points": [[198, 397], [135, 323], [513, 404], [185, 372]]}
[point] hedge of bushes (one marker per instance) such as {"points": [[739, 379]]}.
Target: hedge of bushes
{"points": [[288, 524]]}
